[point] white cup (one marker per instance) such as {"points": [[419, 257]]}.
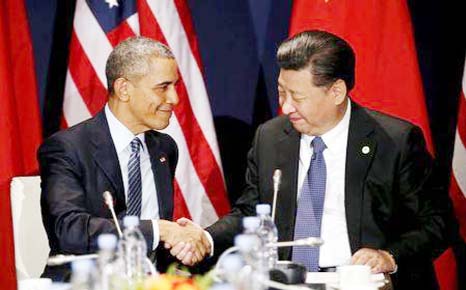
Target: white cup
{"points": [[35, 284], [354, 275]]}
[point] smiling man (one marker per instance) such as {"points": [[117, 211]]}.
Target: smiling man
{"points": [[358, 178], [118, 150]]}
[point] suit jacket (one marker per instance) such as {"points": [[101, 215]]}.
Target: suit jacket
{"points": [[390, 201], [77, 165]]}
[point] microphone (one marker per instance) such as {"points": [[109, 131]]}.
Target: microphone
{"points": [[63, 259], [108, 198], [277, 176]]}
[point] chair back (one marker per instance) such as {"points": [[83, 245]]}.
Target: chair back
{"points": [[30, 239]]}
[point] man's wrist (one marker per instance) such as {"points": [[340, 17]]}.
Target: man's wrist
{"points": [[164, 226], [211, 242]]}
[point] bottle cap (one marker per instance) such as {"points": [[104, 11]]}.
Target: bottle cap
{"points": [[251, 223], [107, 241], [247, 243], [130, 221], [263, 208], [81, 266]]}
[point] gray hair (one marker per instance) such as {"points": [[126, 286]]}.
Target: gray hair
{"points": [[130, 59], [327, 56]]}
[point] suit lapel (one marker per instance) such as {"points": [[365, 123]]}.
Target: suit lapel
{"points": [[288, 161], [360, 152], [162, 176], [106, 157]]}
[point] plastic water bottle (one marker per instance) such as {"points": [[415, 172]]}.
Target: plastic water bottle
{"points": [[107, 268], [82, 277], [230, 267], [268, 233], [257, 259], [251, 275], [133, 250]]}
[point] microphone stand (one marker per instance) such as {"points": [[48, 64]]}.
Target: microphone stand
{"points": [[63, 259], [277, 176], [108, 198]]}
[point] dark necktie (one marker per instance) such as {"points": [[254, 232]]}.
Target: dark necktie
{"points": [[311, 207], [134, 180]]}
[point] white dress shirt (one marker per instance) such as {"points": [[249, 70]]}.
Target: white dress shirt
{"points": [[122, 138], [336, 248]]}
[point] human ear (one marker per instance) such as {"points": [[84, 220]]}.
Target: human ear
{"points": [[121, 87], [338, 91]]}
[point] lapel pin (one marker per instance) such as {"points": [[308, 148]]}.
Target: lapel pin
{"points": [[162, 159], [365, 150]]}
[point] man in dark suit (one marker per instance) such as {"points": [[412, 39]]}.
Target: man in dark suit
{"points": [[117, 151], [360, 179]]}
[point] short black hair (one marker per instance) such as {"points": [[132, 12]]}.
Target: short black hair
{"points": [[130, 58], [328, 57]]}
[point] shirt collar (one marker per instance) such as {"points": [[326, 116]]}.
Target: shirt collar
{"points": [[121, 135], [332, 138]]}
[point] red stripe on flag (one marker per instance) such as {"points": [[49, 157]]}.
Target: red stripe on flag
{"points": [[120, 33], [447, 279], [63, 123], [88, 84], [20, 121], [186, 20], [199, 149], [201, 154], [148, 24], [180, 208], [459, 204], [462, 119]]}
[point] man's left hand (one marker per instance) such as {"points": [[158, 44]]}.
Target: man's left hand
{"points": [[380, 261]]}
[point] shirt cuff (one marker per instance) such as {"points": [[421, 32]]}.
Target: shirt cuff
{"points": [[155, 234], [211, 242]]}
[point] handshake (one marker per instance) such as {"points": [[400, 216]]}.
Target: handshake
{"points": [[186, 240]]}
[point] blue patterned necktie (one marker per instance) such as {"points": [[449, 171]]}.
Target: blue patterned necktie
{"points": [[311, 207], [133, 206]]}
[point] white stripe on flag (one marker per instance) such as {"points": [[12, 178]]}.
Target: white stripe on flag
{"points": [[197, 201], [170, 23], [74, 108], [459, 163], [459, 153], [92, 38], [464, 81], [133, 22]]}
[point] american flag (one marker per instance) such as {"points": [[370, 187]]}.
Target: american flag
{"points": [[98, 26], [458, 178]]}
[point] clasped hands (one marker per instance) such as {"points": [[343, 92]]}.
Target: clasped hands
{"points": [[185, 240]]}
